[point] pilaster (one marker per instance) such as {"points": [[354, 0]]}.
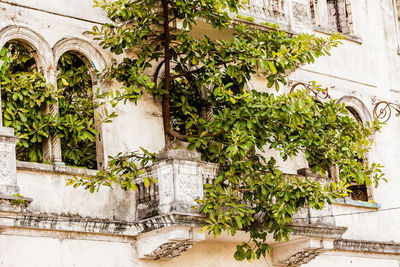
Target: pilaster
{"points": [[180, 174], [9, 190]]}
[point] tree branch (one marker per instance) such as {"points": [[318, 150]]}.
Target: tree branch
{"points": [[167, 77], [193, 71]]}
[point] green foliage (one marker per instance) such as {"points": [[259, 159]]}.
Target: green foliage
{"points": [[19, 199], [26, 96], [123, 169], [77, 110], [251, 19], [207, 103]]}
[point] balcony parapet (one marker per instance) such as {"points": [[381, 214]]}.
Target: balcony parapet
{"points": [[298, 16], [291, 15]]}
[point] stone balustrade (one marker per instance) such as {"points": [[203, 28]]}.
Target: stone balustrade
{"points": [[171, 225], [299, 16], [267, 8]]}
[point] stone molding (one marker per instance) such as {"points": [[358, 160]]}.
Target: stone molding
{"points": [[44, 221], [323, 231], [367, 246], [13, 203], [92, 54], [54, 168]]}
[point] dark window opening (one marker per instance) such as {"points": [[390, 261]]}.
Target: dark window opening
{"points": [[358, 192]]}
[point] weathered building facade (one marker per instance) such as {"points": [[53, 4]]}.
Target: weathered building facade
{"points": [[156, 226]]}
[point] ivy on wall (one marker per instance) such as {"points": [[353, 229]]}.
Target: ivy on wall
{"points": [[26, 96]]}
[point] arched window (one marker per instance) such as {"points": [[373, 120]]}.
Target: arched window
{"points": [[27, 98], [358, 192], [24, 95], [76, 108]]}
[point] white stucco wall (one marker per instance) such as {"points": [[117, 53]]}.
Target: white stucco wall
{"points": [[364, 70], [66, 252]]}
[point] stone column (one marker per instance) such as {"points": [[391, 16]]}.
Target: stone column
{"points": [[52, 145]]}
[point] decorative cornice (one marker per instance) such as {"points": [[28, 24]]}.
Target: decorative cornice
{"points": [[14, 203], [367, 246], [75, 223], [54, 168], [334, 232]]}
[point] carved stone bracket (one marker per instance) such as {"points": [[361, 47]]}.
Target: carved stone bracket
{"points": [[300, 250], [307, 242], [167, 243], [302, 257], [170, 250]]}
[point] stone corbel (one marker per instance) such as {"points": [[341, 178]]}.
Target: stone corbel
{"points": [[167, 243], [300, 251]]}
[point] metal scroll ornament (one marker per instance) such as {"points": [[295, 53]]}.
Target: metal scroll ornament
{"points": [[383, 110], [318, 92]]}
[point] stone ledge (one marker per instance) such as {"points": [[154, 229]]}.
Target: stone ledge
{"points": [[68, 223], [96, 226], [171, 219], [351, 38], [357, 203], [180, 154], [14, 203], [76, 223], [54, 168], [367, 246], [334, 232]]}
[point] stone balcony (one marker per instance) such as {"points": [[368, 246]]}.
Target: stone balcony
{"points": [[172, 225], [164, 224]]}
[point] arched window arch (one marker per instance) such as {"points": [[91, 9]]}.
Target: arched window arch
{"points": [[94, 63]]}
